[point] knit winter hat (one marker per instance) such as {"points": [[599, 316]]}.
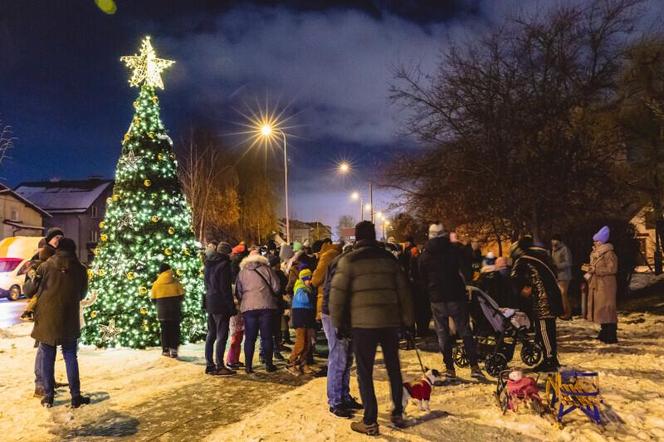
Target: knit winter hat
{"points": [[240, 248], [436, 230], [224, 248], [305, 275], [53, 232], [603, 235], [297, 246]]}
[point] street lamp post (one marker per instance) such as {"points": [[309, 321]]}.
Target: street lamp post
{"points": [[266, 131], [357, 196]]}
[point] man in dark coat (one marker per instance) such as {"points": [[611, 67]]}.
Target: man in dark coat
{"points": [[219, 305], [63, 284], [533, 276], [440, 272], [369, 296]]}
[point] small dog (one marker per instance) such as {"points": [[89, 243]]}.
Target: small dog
{"points": [[420, 391]]}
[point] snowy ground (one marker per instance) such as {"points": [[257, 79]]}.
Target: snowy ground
{"points": [[138, 395]]}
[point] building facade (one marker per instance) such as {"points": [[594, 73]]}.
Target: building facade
{"points": [[20, 216]]}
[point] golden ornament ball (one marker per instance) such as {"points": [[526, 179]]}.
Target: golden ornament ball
{"points": [[179, 272], [101, 272], [93, 314], [102, 224], [90, 273], [171, 230], [160, 156], [144, 311], [155, 218], [130, 275], [104, 237], [115, 197], [143, 290], [147, 183], [168, 251]]}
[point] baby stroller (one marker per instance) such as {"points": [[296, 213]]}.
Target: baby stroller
{"points": [[497, 332]]}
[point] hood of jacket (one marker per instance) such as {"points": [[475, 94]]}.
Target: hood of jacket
{"points": [[166, 286], [214, 256], [253, 261]]}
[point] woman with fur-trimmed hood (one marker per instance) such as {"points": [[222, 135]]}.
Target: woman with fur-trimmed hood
{"points": [[256, 288]]}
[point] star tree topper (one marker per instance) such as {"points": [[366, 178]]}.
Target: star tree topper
{"points": [[146, 66]]}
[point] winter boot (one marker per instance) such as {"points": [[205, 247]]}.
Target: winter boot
{"points": [[210, 369], [270, 368], [450, 374], [79, 400], [611, 333], [47, 401], [287, 338], [340, 411], [278, 356], [39, 391], [398, 420], [352, 404], [368, 429], [223, 371], [166, 352], [173, 352], [476, 372]]}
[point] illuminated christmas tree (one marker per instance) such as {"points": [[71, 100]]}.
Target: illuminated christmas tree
{"points": [[148, 222]]}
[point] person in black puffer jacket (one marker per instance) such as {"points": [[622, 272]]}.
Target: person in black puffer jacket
{"points": [[218, 303], [440, 272], [534, 278]]}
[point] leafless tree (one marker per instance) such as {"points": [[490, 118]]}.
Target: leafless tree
{"points": [[515, 124]]}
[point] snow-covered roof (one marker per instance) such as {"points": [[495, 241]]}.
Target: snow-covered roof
{"points": [[75, 196]]}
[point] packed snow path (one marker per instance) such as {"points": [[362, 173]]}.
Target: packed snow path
{"points": [[138, 395]]}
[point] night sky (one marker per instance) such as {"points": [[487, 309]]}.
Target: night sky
{"points": [[329, 63]]}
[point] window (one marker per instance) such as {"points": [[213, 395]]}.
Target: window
{"points": [[94, 236], [14, 214], [94, 212]]}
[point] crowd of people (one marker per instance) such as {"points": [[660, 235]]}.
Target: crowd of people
{"points": [[361, 295]]}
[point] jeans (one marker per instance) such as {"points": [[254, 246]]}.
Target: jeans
{"points": [[365, 343], [458, 311], [217, 332], [339, 362], [255, 320], [48, 364], [170, 334]]}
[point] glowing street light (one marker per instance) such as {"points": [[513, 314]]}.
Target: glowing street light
{"points": [[344, 167], [266, 130]]}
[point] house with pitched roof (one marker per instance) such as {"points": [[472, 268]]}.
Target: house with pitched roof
{"points": [[19, 215], [75, 206]]}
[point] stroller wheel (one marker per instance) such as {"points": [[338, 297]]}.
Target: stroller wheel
{"points": [[495, 363], [531, 353], [460, 357]]}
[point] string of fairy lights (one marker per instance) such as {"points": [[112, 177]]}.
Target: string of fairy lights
{"points": [[147, 222]]}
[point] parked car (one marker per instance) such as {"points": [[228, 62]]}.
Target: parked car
{"points": [[12, 277], [15, 255]]}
